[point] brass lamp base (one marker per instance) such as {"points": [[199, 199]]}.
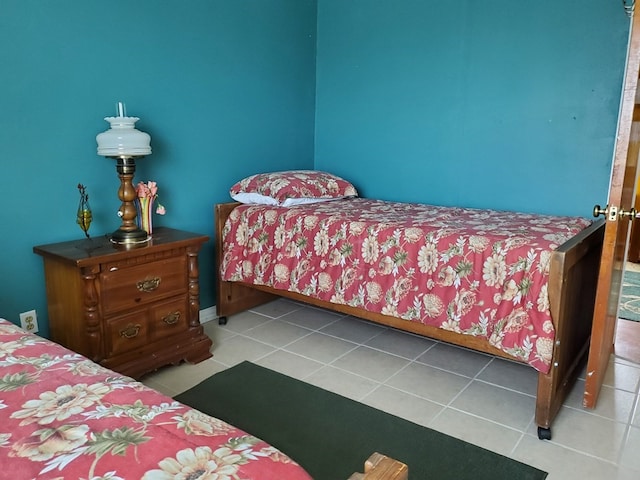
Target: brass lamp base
{"points": [[129, 237]]}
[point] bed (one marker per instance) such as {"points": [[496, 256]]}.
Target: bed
{"points": [[65, 416], [520, 286]]}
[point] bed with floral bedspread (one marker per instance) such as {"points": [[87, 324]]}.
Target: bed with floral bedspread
{"points": [[65, 417], [516, 285], [477, 272]]}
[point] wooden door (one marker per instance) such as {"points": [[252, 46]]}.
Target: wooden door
{"points": [[616, 234]]}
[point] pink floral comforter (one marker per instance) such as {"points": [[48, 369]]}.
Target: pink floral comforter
{"points": [[65, 417], [477, 272]]}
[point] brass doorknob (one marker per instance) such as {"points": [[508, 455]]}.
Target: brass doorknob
{"points": [[632, 214], [598, 210]]}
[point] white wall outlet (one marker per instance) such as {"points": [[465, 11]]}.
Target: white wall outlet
{"points": [[29, 321]]}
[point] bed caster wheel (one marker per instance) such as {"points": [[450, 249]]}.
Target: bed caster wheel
{"points": [[544, 433], [222, 320]]}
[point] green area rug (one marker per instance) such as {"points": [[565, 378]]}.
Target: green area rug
{"points": [[331, 436], [630, 296]]}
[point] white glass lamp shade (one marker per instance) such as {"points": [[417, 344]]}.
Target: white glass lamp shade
{"points": [[123, 139]]}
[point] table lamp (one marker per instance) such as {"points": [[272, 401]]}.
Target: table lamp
{"points": [[124, 143]]}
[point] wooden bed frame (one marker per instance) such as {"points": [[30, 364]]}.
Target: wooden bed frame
{"points": [[573, 279]]}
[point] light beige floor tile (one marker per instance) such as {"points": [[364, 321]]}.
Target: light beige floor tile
{"points": [[238, 349], [497, 404], [588, 433], [277, 333], [320, 347], [623, 473], [353, 329], [612, 403], [454, 359], [428, 382], [636, 416], [624, 361], [565, 464], [179, 378], [311, 318], [217, 333], [341, 382], [478, 431], [370, 363], [189, 378], [244, 321], [401, 343], [622, 376], [169, 373], [402, 404], [290, 364], [630, 457], [151, 383], [515, 376], [277, 308]]}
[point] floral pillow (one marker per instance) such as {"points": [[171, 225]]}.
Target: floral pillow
{"points": [[292, 187]]}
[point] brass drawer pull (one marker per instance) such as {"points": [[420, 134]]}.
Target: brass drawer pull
{"points": [[172, 318], [148, 284], [130, 331]]}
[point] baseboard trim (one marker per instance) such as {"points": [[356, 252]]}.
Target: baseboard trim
{"points": [[208, 314]]}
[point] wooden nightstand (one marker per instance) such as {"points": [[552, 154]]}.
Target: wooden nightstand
{"points": [[133, 310]]}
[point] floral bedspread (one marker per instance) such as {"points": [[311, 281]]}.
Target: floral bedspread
{"points": [[477, 272], [65, 417]]}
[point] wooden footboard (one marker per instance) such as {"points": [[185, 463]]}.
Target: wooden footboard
{"points": [[572, 283], [232, 297], [573, 278]]}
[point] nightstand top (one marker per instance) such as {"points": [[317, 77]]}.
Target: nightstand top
{"points": [[87, 251]]}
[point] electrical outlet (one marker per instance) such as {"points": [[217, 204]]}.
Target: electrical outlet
{"points": [[29, 321]]}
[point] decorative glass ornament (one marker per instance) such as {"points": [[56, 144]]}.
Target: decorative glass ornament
{"points": [[84, 215]]}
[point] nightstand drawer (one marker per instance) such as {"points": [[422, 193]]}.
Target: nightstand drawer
{"points": [[133, 286], [169, 318], [126, 333]]}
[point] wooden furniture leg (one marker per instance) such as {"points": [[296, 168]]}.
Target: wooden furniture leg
{"points": [[381, 467]]}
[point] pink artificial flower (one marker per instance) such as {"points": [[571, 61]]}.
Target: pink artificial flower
{"points": [[160, 210], [142, 190], [149, 189]]}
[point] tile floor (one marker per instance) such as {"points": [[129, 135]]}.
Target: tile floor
{"points": [[476, 397]]}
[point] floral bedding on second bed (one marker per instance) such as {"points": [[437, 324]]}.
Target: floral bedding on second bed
{"points": [[65, 417], [478, 272]]}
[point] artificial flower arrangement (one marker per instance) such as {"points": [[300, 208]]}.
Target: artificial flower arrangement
{"points": [[147, 193]]}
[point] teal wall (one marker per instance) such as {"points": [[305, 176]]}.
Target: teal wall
{"points": [[224, 88], [495, 103]]}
